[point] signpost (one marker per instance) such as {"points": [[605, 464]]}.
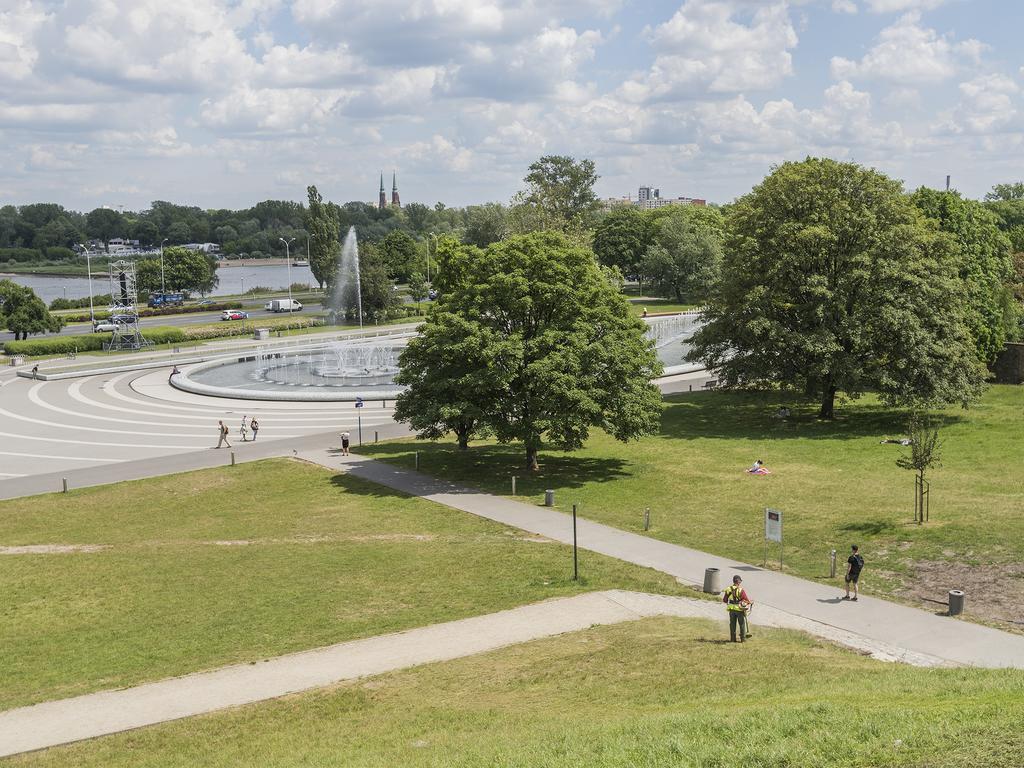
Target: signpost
{"points": [[772, 531], [359, 418]]}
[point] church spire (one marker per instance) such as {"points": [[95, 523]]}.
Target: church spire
{"points": [[394, 190], [382, 200]]}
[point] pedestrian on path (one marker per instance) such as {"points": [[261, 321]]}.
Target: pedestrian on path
{"points": [[35, 371], [223, 434], [244, 431], [854, 565], [738, 603], [255, 427], [344, 443]]}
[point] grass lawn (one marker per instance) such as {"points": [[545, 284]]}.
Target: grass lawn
{"points": [[656, 306], [208, 568], [835, 483], [661, 692]]}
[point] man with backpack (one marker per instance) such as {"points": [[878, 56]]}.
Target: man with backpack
{"points": [[738, 603], [854, 565]]}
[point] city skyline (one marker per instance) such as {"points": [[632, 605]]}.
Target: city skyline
{"points": [[221, 103]]}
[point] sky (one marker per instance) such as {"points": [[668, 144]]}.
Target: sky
{"points": [[223, 103]]}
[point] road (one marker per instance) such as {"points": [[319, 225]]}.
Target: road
{"points": [[196, 318]]}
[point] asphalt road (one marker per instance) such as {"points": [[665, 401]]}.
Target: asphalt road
{"points": [[196, 318]]}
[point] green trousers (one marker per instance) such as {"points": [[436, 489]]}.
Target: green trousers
{"points": [[737, 618]]}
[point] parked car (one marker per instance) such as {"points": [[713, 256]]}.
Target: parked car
{"points": [[233, 314]]}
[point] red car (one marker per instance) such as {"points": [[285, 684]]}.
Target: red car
{"points": [[233, 314]]}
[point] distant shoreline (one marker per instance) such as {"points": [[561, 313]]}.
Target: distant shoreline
{"points": [[254, 263]]}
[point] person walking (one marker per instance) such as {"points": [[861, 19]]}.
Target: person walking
{"points": [[738, 603], [244, 431], [255, 427], [223, 435], [854, 565], [344, 443]]}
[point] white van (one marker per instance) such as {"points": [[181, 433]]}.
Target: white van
{"points": [[284, 305]]}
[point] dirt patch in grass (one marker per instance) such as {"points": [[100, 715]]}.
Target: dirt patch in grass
{"points": [[993, 592], [52, 549]]}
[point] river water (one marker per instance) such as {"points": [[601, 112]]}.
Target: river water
{"points": [[233, 280]]}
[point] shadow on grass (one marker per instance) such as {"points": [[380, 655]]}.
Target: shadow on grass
{"points": [[752, 415], [870, 527], [491, 467], [349, 483]]}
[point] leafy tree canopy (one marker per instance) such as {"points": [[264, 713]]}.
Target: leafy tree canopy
{"points": [[684, 259], [529, 340], [560, 191], [833, 281], [622, 238], [23, 313]]}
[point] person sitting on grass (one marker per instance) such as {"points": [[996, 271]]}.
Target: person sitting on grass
{"points": [[758, 468]]}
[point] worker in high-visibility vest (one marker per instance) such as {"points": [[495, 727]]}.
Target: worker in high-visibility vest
{"points": [[738, 603]]}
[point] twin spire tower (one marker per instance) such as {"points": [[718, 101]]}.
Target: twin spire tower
{"points": [[382, 201]]}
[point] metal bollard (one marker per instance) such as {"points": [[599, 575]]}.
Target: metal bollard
{"points": [[513, 485], [712, 581], [232, 458], [417, 461], [832, 564], [375, 435], [549, 498], [647, 518], [65, 483], [956, 602]]}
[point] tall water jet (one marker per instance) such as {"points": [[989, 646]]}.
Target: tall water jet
{"points": [[348, 292]]}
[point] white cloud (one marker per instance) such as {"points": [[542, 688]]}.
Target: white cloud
{"points": [[900, 6], [717, 46], [18, 27], [989, 104], [844, 6], [909, 53]]}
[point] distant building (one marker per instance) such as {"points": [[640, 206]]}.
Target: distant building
{"points": [[394, 191], [203, 247], [650, 197]]}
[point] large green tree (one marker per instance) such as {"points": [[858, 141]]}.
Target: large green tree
{"points": [[400, 254], [985, 264], [684, 259], [324, 245], [560, 192], [104, 224], [531, 341], [833, 281], [621, 239], [183, 270], [485, 224], [23, 313]]}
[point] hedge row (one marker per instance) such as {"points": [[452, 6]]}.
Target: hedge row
{"points": [[204, 332], [86, 342]]}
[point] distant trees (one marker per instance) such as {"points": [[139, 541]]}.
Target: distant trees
{"points": [[559, 196], [183, 270], [833, 281], [621, 239], [23, 313], [104, 224], [400, 254], [324, 245], [684, 258]]}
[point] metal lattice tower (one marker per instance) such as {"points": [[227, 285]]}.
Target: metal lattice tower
{"points": [[126, 334]]}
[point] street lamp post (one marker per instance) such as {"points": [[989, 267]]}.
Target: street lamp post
{"points": [[288, 259], [163, 288], [88, 270]]}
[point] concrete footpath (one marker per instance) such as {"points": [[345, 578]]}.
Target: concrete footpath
{"points": [[99, 714], [951, 640]]}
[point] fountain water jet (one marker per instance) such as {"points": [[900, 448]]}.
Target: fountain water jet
{"points": [[348, 291]]}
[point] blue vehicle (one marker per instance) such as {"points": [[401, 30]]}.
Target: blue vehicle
{"points": [[166, 299]]}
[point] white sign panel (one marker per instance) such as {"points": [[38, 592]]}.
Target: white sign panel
{"points": [[773, 524]]}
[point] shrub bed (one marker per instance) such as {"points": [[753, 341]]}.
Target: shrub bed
{"points": [[160, 311], [203, 332]]}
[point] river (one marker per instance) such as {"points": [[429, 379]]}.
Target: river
{"points": [[233, 280]]}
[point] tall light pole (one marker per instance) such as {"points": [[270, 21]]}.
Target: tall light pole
{"points": [[88, 271], [163, 288], [288, 259]]}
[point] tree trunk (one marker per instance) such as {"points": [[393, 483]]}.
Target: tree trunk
{"points": [[463, 437], [531, 458], [828, 400]]}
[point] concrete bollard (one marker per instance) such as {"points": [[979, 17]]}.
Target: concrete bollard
{"points": [[64, 482], [375, 435], [832, 564], [956, 602], [513, 485], [647, 518], [712, 581], [232, 458], [549, 498], [417, 461]]}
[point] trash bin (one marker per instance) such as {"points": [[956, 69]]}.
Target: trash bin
{"points": [[712, 581], [956, 602], [549, 498]]}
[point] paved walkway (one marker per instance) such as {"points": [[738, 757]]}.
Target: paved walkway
{"points": [[914, 631], [99, 714]]}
